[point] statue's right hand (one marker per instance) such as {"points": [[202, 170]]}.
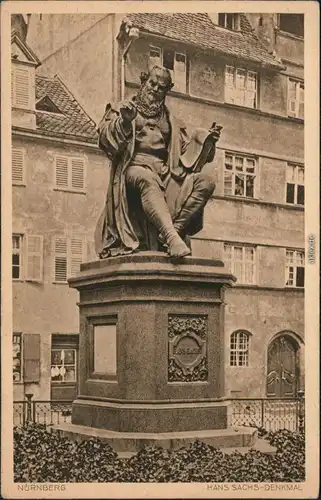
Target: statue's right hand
{"points": [[128, 111]]}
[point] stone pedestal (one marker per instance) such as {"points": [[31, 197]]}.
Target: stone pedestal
{"points": [[152, 347]]}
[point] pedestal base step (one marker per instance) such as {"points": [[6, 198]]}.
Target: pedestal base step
{"points": [[236, 437], [260, 445]]}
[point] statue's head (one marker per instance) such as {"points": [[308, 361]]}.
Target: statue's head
{"points": [[155, 85]]}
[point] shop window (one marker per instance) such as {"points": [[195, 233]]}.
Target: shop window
{"points": [[63, 365], [17, 357]]}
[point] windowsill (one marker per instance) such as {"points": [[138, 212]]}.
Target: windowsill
{"points": [[296, 118], [55, 382], [242, 199], [232, 30], [203, 100], [69, 190], [241, 106], [25, 110], [268, 288], [287, 34], [18, 280], [242, 367], [19, 184], [18, 383], [60, 282]]}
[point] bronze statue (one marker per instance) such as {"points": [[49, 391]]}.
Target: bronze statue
{"points": [[157, 190]]}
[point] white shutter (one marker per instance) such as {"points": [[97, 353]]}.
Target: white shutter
{"points": [[21, 87], [76, 255], [61, 171], [77, 173], [60, 263], [17, 166], [34, 258]]}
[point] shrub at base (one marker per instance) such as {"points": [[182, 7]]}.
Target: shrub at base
{"points": [[41, 456]]}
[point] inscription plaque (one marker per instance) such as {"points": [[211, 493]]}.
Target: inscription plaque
{"points": [[187, 348]]}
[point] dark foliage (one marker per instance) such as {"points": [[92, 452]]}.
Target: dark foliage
{"points": [[41, 456]]}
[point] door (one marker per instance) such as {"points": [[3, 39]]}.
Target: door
{"points": [[282, 367]]}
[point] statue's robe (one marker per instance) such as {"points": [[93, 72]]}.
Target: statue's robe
{"points": [[122, 227]]}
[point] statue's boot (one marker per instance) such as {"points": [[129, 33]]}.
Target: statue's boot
{"points": [[156, 209], [204, 187], [160, 217]]}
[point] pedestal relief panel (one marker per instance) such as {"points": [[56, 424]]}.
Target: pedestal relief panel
{"points": [[187, 348]]}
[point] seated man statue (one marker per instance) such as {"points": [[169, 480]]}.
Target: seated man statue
{"points": [[157, 190]]}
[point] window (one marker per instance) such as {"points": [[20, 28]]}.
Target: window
{"points": [[230, 21], [240, 261], [18, 173], [27, 251], [295, 184], [295, 98], [68, 255], [174, 61], [239, 175], [292, 23], [16, 256], [294, 268], [63, 365], [70, 173], [240, 87], [16, 357], [20, 87], [239, 349]]}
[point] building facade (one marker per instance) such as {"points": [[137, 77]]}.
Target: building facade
{"points": [[58, 174], [246, 72]]}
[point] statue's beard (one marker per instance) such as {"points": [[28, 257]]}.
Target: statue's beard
{"points": [[147, 104]]}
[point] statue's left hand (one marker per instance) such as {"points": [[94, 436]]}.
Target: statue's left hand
{"points": [[215, 131]]}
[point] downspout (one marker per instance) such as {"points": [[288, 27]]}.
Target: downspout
{"points": [[133, 35]]}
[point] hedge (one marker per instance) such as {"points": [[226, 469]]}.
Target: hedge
{"points": [[41, 456]]}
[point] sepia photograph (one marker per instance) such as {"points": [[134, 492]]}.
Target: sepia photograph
{"points": [[159, 252]]}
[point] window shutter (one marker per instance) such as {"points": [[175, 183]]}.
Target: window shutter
{"points": [[61, 171], [34, 248], [77, 173], [20, 88], [17, 166], [300, 277], [76, 253], [60, 252], [31, 357]]}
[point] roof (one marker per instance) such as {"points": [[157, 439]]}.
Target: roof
{"points": [[67, 119], [199, 30]]}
